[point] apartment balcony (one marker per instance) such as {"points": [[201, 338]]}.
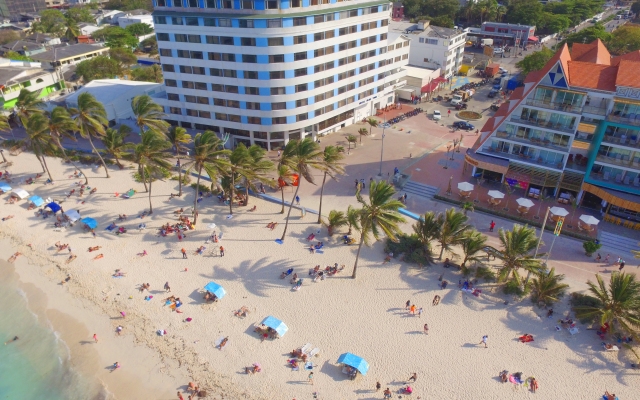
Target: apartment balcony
{"points": [[549, 105], [623, 140], [620, 160], [595, 110], [576, 166], [523, 158], [544, 124], [618, 180], [532, 141], [627, 119]]}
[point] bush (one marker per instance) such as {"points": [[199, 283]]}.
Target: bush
{"points": [[466, 271], [186, 179], [411, 248], [583, 300], [162, 174], [201, 188], [513, 288], [591, 247], [485, 273]]}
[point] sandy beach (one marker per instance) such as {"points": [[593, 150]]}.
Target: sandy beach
{"points": [[366, 316]]}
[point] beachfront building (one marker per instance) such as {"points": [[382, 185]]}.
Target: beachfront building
{"points": [[431, 47], [571, 132], [65, 56], [269, 71], [18, 75]]}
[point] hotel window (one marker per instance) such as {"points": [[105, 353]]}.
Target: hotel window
{"points": [[221, 117], [271, 5], [301, 88], [170, 83], [279, 120], [181, 38], [220, 102], [191, 3], [166, 53], [246, 5], [184, 54], [233, 103], [246, 23], [175, 110], [228, 57], [253, 105], [279, 106], [226, 40], [300, 56], [230, 73], [173, 96], [204, 114], [211, 4], [254, 120], [224, 22], [203, 100], [209, 21], [213, 39], [277, 91], [274, 23], [185, 69], [187, 85], [177, 21], [161, 3], [276, 58], [215, 72], [277, 41], [248, 41], [276, 75], [227, 4], [160, 20], [353, 13], [191, 21], [250, 74], [201, 86], [194, 39], [163, 37], [299, 21], [234, 118], [318, 18], [300, 39], [190, 99], [231, 89], [198, 70], [330, 16], [197, 55], [295, 3], [302, 117], [300, 72], [249, 58], [252, 90], [301, 102]]}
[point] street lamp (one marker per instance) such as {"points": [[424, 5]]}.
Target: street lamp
{"points": [[384, 118]]}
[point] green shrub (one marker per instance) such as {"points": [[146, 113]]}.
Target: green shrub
{"points": [[485, 273], [583, 300], [411, 248], [201, 188], [513, 288], [467, 271], [591, 247], [162, 173]]}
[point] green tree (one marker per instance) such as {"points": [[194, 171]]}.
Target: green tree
{"points": [[535, 61], [624, 40], [617, 305], [114, 36], [473, 247], [635, 7], [517, 246], [444, 21], [72, 30], [331, 157], [150, 45], [51, 21], [353, 218], [12, 55], [352, 139], [427, 229], [148, 114], [362, 132], [152, 156], [124, 56], [260, 167], [152, 73], [249, 165], [555, 23], [129, 5], [179, 139], [526, 12], [99, 67], [7, 36], [114, 143], [588, 35], [373, 123], [139, 29], [91, 119], [454, 228], [378, 217], [80, 14], [208, 156], [547, 288], [38, 139], [335, 220], [27, 105], [301, 156], [61, 126]]}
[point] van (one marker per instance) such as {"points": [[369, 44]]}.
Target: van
{"points": [[617, 17], [498, 50]]}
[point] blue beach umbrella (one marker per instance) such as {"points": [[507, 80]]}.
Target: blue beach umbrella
{"points": [[276, 325], [215, 289], [53, 206], [36, 200], [354, 361], [90, 222], [4, 187]]}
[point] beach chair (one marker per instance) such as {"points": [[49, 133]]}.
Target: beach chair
{"points": [[626, 224], [314, 352], [306, 348], [637, 227], [618, 221]]}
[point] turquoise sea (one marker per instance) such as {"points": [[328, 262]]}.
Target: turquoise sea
{"points": [[36, 366]]}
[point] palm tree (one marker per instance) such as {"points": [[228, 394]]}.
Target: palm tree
{"points": [[331, 158], [114, 143], [157, 72], [335, 220], [73, 30], [427, 228], [151, 156], [373, 123], [259, 167], [546, 288], [301, 156], [454, 228], [352, 139], [91, 118], [378, 217], [239, 167], [619, 304], [473, 246], [466, 207], [28, 104], [362, 132], [38, 139], [353, 218], [284, 178], [208, 155], [179, 138], [517, 245], [149, 114]]}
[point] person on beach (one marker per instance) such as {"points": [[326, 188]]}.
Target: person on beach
{"points": [[484, 340], [413, 309], [426, 329], [166, 287], [221, 251], [123, 314], [119, 330], [436, 300], [606, 259], [184, 253], [116, 365], [71, 258], [96, 248], [413, 377], [12, 340], [99, 256], [598, 258], [14, 256], [95, 337], [311, 378], [420, 312], [407, 305], [7, 217], [621, 265], [180, 396], [387, 393], [378, 386]]}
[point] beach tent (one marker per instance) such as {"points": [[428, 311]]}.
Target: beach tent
{"points": [[354, 361], [90, 222], [54, 207], [276, 325], [4, 187], [36, 200], [73, 215], [215, 289], [21, 193]]}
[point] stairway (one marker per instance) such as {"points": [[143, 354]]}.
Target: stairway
{"points": [[418, 189], [622, 245]]}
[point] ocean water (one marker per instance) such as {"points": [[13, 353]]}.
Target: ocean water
{"points": [[36, 366]]}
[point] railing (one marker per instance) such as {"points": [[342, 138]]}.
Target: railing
{"points": [[522, 158], [625, 182], [627, 142], [624, 120], [543, 124], [618, 161], [535, 142], [595, 110], [576, 167], [555, 106]]}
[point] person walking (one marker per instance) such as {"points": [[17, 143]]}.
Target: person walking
{"points": [[166, 287], [407, 305], [364, 185], [413, 377], [378, 386], [426, 329], [413, 309], [448, 113], [298, 200], [184, 253], [420, 312], [598, 258], [221, 251], [621, 265], [484, 340], [311, 378], [95, 337], [493, 225], [606, 259]]}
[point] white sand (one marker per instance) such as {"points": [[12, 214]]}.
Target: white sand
{"points": [[365, 317]]}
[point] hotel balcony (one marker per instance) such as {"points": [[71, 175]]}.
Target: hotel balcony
{"points": [[602, 111], [620, 160], [624, 181], [550, 105], [625, 119], [532, 141], [543, 124], [622, 140], [522, 158]]}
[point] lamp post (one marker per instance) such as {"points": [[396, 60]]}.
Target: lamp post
{"points": [[384, 118]]}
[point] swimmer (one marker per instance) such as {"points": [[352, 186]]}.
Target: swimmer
{"points": [[12, 340]]}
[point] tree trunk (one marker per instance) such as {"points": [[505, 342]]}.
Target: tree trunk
{"points": [[355, 265], [4, 160], [39, 157], [195, 201], [99, 156], [441, 251], [290, 207], [246, 191], [118, 162], [321, 191], [64, 153], [44, 162], [233, 183], [179, 176], [282, 191], [142, 173], [150, 205]]}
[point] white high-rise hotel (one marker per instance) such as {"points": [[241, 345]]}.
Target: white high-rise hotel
{"points": [[266, 71]]}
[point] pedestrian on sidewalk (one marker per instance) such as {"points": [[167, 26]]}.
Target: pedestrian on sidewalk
{"points": [[493, 225]]}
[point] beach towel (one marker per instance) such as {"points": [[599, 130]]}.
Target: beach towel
{"points": [[149, 298], [278, 241], [320, 251], [219, 341], [108, 228], [308, 365]]}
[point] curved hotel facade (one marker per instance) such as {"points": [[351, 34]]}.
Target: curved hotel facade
{"points": [[269, 71]]}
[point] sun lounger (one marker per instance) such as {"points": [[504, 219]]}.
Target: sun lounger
{"points": [[314, 352], [613, 347], [306, 348], [298, 285]]}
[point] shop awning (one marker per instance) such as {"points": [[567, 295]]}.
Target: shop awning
{"points": [[624, 200], [429, 87], [533, 39]]}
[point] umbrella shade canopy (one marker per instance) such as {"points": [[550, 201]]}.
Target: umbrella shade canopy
{"points": [[73, 215], [465, 186], [276, 325], [559, 211], [37, 200], [90, 222], [23, 194], [496, 194], [354, 361], [54, 207], [212, 226], [4, 187], [589, 219], [525, 202], [215, 289]]}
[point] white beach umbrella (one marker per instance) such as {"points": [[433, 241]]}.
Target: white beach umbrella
{"points": [[23, 194], [522, 202], [559, 211], [589, 219], [465, 186], [496, 194], [73, 215]]}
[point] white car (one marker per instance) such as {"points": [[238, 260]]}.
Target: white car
{"points": [[436, 115], [498, 50]]}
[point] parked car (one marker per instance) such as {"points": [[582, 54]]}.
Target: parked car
{"points": [[436, 115], [503, 70], [492, 94], [464, 125], [498, 50], [461, 106]]}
